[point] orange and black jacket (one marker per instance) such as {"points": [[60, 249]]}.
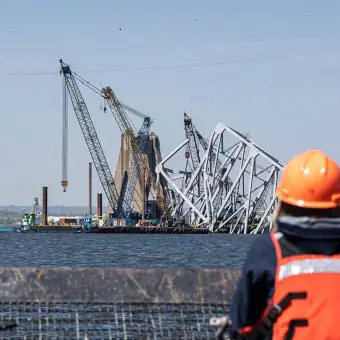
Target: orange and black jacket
{"points": [[301, 258]]}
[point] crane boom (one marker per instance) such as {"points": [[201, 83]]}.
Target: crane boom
{"points": [[190, 133], [127, 191], [193, 146], [195, 138], [139, 161], [91, 138], [134, 167], [134, 111]]}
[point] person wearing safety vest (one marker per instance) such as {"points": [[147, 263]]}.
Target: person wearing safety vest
{"points": [[290, 284]]}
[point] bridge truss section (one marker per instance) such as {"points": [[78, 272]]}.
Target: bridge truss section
{"points": [[239, 179]]}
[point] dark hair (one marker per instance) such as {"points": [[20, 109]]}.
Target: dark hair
{"points": [[291, 210]]}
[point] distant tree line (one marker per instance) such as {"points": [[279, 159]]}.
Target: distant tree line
{"points": [[9, 217]]}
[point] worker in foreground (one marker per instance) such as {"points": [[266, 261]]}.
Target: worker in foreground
{"points": [[290, 285]]}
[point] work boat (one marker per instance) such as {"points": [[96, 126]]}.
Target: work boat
{"points": [[27, 222]]}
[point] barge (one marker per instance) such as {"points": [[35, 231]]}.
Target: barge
{"points": [[114, 230], [108, 226], [149, 230]]}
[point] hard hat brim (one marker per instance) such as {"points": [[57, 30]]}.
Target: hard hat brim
{"points": [[306, 204]]}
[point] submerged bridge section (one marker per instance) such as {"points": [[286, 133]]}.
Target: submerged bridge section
{"points": [[94, 303], [230, 188]]}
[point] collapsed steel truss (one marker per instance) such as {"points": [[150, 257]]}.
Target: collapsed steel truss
{"points": [[239, 179]]}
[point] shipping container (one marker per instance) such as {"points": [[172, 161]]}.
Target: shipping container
{"points": [[67, 221], [130, 222], [122, 223], [143, 223]]}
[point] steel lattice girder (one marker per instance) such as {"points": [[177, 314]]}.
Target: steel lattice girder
{"points": [[240, 179]]}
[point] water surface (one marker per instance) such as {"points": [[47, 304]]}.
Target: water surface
{"points": [[137, 251]]}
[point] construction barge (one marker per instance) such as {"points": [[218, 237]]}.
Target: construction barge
{"points": [[114, 226], [113, 230], [100, 224], [29, 223]]}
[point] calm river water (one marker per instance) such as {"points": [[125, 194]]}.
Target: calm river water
{"points": [[138, 251]]}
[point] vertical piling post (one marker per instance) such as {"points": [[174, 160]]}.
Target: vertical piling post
{"points": [[90, 189], [99, 206], [143, 194], [44, 207]]}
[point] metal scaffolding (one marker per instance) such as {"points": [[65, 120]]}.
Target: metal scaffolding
{"points": [[239, 181]]}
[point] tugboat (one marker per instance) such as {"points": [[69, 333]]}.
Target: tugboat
{"points": [[31, 219], [27, 222], [88, 225]]}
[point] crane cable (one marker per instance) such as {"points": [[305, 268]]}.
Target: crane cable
{"points": [[96, 90], [123, 106]]}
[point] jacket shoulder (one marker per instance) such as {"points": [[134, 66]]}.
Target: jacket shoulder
{"points": [[261, 256], [256, 284]]}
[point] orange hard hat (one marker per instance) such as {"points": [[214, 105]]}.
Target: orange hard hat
{"points": [[310, 180]]}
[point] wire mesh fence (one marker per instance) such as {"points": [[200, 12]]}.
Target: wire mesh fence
{"points": [[64, 303], [107, 320]]}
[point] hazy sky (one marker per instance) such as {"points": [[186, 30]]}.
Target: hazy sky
{"points": [[265, 67]]}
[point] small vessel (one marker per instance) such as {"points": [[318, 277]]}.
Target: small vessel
{"points": [[27, 222], [30, 220]]}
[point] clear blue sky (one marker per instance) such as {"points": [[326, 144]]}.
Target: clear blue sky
{"points": [[277, 76]]}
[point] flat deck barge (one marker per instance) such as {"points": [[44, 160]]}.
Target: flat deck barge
{"points": [[150, 230], [119, 230]]}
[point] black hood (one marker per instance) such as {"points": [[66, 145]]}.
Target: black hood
{"points": [[310, 228], [312, 235]]}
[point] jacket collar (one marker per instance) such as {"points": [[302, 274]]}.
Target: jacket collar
{"points": [[309, 228]]}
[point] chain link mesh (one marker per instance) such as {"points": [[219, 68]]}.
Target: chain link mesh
{"points": [[107, 320]]}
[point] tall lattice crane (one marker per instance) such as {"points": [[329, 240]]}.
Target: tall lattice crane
{"points": [[139, 161], [91, 138], [193, 149], [128, 187], [141, 138], [195, 139]]}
